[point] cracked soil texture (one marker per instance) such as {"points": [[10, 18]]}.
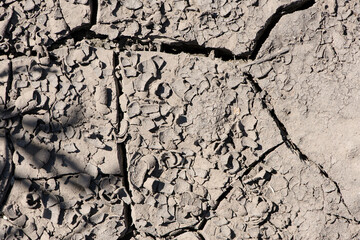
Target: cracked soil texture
{"points": [[180, 119]]}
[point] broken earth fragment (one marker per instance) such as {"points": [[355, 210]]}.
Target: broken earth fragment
{"points": [[175, 149], [109, 130]]}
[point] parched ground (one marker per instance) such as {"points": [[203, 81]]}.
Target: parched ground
{"points": [[187, 120]]}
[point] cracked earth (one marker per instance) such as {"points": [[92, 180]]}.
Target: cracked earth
{"points": [[181, 119]]}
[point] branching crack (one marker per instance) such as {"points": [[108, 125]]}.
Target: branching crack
{"points": [[289, 143], [195, 49], [246, 172]]}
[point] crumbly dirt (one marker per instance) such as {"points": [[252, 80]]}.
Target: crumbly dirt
{"points": [[187, 120]]}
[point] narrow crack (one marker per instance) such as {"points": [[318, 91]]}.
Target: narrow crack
{"points": [[121, 150], [48, 178], [9, 150], [194, 49], [289, 143], [344, 218], [246, 172], [180, 231], [8, 169], [9, 84], [177, 46], [260, 160]]}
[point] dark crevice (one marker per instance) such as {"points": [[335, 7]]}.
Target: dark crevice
{"points": [[154, 43], [274, 19], [246, 172], [8, 84], [177, 47], [76, 36], [194, 48], [180, 231], [289, 143], [9, 169], [48, 178], [130, 234], [94, 11], [343, 218], [82, 32], [121, 150], [260, 160]]}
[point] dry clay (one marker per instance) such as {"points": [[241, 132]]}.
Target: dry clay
{"points": [[100, 139]]}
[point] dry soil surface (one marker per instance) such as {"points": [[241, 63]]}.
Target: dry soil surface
{"points": [[179, 119]]}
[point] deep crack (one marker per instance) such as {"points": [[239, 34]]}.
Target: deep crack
{"points": [[121, 149], [8, 169], [274, 19], [94, 11], [192, 48], [9, 148]]}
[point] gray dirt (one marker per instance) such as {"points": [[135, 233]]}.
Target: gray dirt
{"points": [[180, 119]]}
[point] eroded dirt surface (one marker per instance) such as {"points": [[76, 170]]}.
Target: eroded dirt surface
{"points": [[179, 119]]}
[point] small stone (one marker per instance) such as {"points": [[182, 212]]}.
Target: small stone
{"points": [[133, 4], [138, 173], [249, 122], [142, 82], [149, 108], [124, 126], [133, 109], [130, 72], [226, 10], [30, 122], [60, 105], [225, 232], [29, 5], [35, 73], [125, 62], [188, 236], [182, 186], [179, 87], [20, 221], [148, 124], [167, 188], [101, 95], [21, 84], [98, 218], [248, 142], [85, 209], [69, 132]]}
